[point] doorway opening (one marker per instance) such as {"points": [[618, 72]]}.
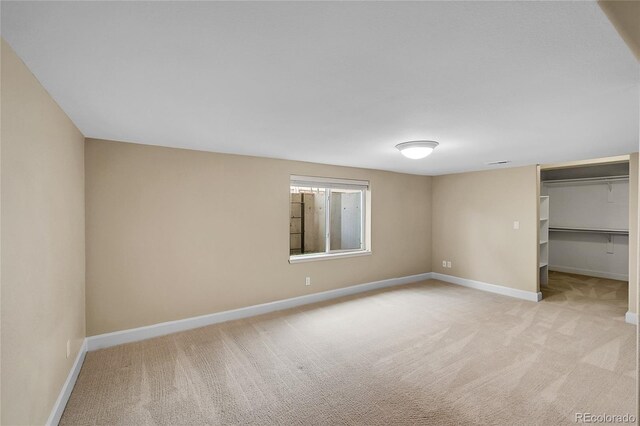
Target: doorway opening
{"points": [[586, 212]]}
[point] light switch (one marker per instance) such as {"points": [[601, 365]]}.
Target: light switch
{"points": [[516, 224]]}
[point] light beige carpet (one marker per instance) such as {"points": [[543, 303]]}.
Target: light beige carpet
{"points": [[426, 353]]}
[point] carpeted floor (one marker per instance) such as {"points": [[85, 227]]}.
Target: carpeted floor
{"points": [[426, 353]]}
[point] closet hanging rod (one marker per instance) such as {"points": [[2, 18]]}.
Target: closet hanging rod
{"points": [[589, 180], [589, 230]]}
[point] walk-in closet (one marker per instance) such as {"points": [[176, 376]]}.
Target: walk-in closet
{"points": [[588, 220], [584, 219]]}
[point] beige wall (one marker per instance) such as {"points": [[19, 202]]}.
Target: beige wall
{"points": [[625, 15], [633, 233], [472, 226], [637, 299], [42, 232], [175, 233]]}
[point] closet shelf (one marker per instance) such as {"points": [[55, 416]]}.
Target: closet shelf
{"points": [[589, 230], [543, 238], [592, 180]]}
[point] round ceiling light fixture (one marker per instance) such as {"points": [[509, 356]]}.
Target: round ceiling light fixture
{"points": [[416, 149]]}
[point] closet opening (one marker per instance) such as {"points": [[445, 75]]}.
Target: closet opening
{"points": [[584, 254]]}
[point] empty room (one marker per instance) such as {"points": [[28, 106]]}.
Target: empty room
{"points": [[319, 212]]}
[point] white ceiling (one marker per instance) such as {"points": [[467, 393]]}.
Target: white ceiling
{"points": [[340, 83]]}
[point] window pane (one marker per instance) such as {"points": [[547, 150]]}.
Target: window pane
{"points": [[346, 219], [307, 223]]}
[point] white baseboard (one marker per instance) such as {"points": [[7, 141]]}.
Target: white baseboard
{"points": [[492, 288], [631, 318], [65, 392], [141, 333], [589, 273]]}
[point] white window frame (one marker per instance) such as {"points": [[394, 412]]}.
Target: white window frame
{"points": [[365, 222]]}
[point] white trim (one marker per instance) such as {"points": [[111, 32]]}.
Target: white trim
{"points": [[315, 181], [590, 273], [300, 258], [327, 221], [141, 333], [631, 318], [492, 288], [65, 392]]}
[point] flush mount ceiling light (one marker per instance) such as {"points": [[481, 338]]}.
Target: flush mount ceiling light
{"points": [[416, 149]]}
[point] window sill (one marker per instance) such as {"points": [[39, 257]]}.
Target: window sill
{"points": [[326, 256]]}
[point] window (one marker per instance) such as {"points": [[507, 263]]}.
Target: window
{"points": [[328, 218]]}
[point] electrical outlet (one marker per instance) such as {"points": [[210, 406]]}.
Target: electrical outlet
{"points": [[610, 244], [68, 348], [444, 263], [307, 281], [448, 264], [516, 224]]}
